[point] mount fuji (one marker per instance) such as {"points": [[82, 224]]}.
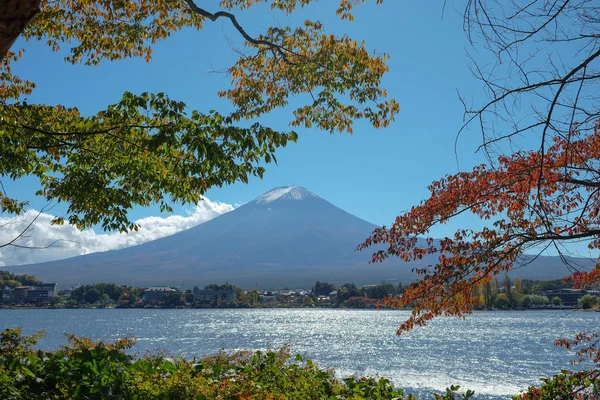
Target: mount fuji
{"points": [[287, 237]]}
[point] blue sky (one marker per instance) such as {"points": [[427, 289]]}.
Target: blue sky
{"points": [[373, 174]]}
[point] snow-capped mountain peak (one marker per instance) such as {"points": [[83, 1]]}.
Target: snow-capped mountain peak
{"points": [[294, 192]]}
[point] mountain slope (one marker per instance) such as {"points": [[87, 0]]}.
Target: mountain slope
{"points": [[287, 237]]}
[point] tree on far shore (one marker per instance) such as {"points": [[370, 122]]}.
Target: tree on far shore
{"points": [[323, 288], [556, 301], [588, 301]]}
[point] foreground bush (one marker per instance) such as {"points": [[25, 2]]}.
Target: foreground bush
{"points": [[85, 369], [580, 385]]}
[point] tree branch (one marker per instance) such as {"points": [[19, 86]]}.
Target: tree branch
{"points": [[224, 14]]}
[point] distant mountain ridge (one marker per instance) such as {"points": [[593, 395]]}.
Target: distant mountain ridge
{"points": [[287, 237]]}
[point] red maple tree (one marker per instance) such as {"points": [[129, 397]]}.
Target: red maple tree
{"points": [[535, 199]]}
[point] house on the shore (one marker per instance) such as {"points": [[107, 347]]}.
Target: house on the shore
{"points": [[323, 299], [291, 296], [333, 296]]}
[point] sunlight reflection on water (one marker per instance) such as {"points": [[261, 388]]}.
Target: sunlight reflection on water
{"points": [[496, 354]]}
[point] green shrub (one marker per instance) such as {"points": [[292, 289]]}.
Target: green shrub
{"points": [[556, 301], [588, 301], [581, 385]]}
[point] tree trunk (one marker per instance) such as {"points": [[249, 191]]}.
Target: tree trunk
{"points": [[14, 17]]}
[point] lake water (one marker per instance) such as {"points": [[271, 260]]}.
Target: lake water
{"points": [[496, 353]]}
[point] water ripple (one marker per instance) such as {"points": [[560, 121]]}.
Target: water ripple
{"points": [[496, 354]]}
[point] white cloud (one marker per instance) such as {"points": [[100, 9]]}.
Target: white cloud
{"points": [[72, 242]]}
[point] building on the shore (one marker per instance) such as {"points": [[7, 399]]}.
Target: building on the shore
{"points": [[156, 294], [36, 294], [568, 297], [51, 288], [41, 293], [214, 297]]}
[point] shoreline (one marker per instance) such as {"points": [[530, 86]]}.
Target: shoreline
{"points": [[280, 307]]}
